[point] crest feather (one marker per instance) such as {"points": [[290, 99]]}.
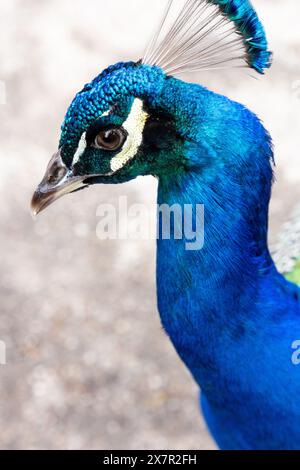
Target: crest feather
{"points": [[207, 34]]}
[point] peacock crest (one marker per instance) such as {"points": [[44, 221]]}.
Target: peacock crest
{"points": [[198, 35]]}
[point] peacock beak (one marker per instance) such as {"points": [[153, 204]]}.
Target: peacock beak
{"points": [[58, 181]]}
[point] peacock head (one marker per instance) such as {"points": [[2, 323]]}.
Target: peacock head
{"points": [[117, 127], [135, 118]]}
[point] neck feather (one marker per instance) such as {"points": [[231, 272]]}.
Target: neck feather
{"points": [[207, 293], [227, 167]]}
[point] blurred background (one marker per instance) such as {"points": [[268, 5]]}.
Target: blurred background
{"points": [[87, 363]]}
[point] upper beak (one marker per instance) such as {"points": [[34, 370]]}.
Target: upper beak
{"points": [[58, 181]]}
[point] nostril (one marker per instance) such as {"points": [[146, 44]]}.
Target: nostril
{"points": [[56, 175]]}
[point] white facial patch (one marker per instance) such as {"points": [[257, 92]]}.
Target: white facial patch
{"points": [[134, 125]]}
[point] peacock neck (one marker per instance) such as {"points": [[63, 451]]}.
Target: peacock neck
{"points": [[207, 297], [210, 292]]}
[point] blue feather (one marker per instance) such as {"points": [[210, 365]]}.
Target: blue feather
{"points": [[247, 22]]}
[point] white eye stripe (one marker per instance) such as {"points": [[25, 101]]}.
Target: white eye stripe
{"points": [[80, 149], [134, 125], [107, 113]]}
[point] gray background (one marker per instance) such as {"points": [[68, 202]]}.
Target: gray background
{"points": [[88, 365]]}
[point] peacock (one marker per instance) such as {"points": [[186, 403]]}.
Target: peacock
{"points": [[232, 317]]}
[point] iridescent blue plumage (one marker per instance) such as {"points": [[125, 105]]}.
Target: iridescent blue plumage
{"points": [[113, 84], [231, 316], [245, 18]]}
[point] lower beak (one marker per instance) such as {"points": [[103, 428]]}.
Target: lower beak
{"points": [[58, 181]]}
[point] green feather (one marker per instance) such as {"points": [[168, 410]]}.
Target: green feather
{"points": [[294, 276]]}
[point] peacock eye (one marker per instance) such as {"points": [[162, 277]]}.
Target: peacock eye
{"points": [[110, 139]]}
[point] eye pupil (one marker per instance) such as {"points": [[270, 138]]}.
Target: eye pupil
{"points": [[111, 139]]}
